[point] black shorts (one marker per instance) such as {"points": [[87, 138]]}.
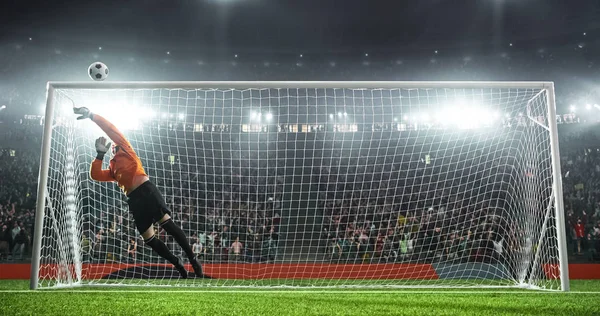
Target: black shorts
{"points": [[147, 206]]}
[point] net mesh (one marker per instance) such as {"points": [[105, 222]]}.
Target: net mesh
{"points": [[427, 187]]}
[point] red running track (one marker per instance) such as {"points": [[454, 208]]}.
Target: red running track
{"points": [[294, 271]]}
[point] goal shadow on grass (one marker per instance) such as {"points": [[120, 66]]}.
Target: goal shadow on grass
{"points": [[145, 273]]}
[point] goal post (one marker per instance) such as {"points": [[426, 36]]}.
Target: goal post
{"points": [[327, 184], [558, 190]]}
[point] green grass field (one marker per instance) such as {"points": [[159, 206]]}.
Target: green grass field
{"points": [[15, 299]]}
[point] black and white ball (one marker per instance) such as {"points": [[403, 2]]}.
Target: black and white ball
{"points": [[98, 71]]}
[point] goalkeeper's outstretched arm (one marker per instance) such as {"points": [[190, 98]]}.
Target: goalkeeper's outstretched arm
{"points": [[126, 167], [96, 171], [111, 131]]}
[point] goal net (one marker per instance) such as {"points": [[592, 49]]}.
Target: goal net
{"points": [[304, 184]]}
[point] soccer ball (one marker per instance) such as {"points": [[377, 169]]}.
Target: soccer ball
{"points": [[98, 71]]}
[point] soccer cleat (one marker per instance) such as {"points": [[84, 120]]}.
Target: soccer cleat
{"points": [[197, 268], [182, 271]]}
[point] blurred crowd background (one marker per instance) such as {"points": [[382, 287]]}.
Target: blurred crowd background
{"points": [[366, 206]]}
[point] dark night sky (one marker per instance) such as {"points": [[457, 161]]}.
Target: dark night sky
{"points": [[556, 40], [302, 25]]}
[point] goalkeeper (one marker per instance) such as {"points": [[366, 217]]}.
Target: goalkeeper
{"points": [[146, 204]]}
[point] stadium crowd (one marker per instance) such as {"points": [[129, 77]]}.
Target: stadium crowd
{"points": [[18, 187], [456, 223], [230, 207]]}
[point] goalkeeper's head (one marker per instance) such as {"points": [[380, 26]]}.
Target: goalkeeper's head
{"points": [[115, 149]]}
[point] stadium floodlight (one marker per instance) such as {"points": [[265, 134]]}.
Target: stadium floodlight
{"points": [[4, 107], [181, 116], [331, 116], [572, 108], [269, 116], [440, 116], [500, 184], [588, 106]]}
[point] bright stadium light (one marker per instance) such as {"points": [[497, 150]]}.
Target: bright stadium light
{"points": [[255, 116], [588, 106], [150, 113], [331, 116], [405, 117], [123, 115], [454, 116], [340, 114], [572, 108], [440, 116], [269, 116], [345, 114], [181, 116], [2, 107], [165, 115]]}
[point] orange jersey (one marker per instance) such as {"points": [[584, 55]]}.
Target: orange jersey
{"points": [[125, 167]]}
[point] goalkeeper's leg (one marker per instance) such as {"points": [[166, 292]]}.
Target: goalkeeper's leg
{"points": [[148, 206], [145, 210], [162, 250], [170, 227]]}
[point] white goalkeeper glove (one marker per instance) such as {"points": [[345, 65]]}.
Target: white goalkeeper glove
{"points": [[84, 112], [102, 147]]}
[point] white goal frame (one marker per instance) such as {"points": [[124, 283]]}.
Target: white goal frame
{"points": [[548, 87]]}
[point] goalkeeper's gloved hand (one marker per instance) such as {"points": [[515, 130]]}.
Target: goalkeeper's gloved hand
{"points": [[84, 112], [102, 147]]}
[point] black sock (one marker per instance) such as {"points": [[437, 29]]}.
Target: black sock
{"points": [[161, 249], [179, 236]]}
